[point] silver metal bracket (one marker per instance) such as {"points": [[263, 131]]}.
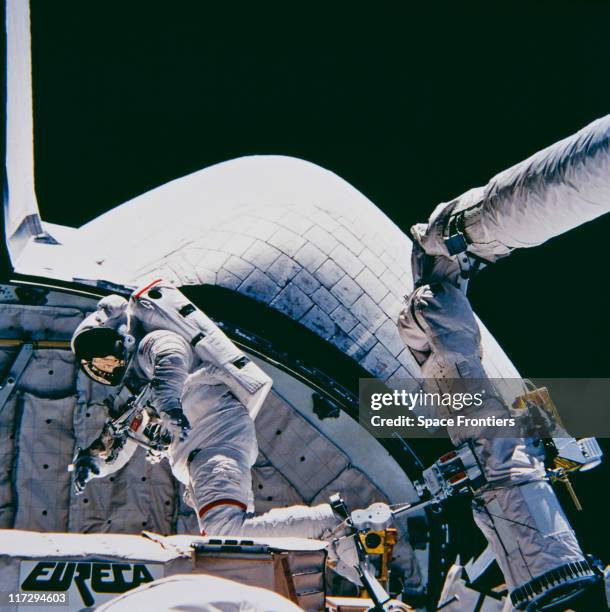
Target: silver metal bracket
{"points": [[9, 383]]}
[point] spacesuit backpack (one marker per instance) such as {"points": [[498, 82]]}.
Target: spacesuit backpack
{"points": [[160, 305]]}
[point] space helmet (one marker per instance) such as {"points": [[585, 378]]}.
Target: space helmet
{"points": [[102, 344]]}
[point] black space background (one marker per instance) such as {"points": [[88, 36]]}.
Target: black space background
{"points": [[412, 107]]}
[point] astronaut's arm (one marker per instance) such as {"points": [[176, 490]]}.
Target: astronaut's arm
{"points": [[105, 455], [551, 192], [169, 358], [438, 318]]}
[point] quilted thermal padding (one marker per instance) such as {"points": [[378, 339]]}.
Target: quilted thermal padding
{"points": [[355, 487], [271, 489], [45, 443], [39, 322], [7, 452], [307, 459], [49, 373]]}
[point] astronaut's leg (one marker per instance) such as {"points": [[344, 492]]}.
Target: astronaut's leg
{"points": [[553, 191], [221, 486], [222, 448], [517, 509]]}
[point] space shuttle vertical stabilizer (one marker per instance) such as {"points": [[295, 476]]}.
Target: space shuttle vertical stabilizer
{"points": [[21, 216], [551, 192]]}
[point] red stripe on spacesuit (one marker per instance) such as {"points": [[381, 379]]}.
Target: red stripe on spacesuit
{"points": [[145, 289], [221, 502]]}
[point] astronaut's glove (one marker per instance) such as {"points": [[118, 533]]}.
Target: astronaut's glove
{"points": [[420, 297], [153, 457], [85, 468], [175, 421]]}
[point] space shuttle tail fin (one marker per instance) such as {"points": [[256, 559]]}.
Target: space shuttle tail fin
{"points": [[21, 215]]}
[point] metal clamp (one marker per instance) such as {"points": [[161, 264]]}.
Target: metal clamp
{"points": [[12, 378], [456, 240]]}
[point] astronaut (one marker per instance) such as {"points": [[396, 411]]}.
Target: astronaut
{"points": [[201, 403], [556, 189]]}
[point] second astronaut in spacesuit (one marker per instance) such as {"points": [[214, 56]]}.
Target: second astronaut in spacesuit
{"points": [[547, 194]]}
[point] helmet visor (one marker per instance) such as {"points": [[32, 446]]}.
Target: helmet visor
{"points": [[105, 370], [101, 354]]}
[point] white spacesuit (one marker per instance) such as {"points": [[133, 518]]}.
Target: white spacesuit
{"points": [[517, 510], [558, 188], [213, 441]]}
